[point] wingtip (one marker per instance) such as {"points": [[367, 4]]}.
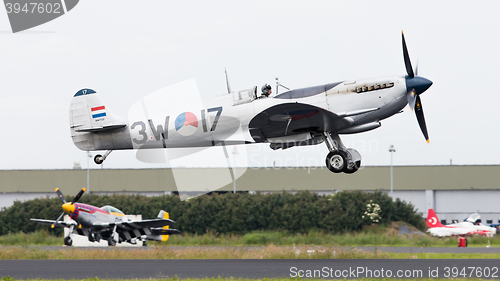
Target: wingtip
{"points": [[428, 141], [57, 189], [83, 188]]}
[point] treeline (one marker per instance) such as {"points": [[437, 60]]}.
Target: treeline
{"points": [[232, 213]]}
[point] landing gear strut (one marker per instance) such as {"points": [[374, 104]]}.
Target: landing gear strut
{"points": [[340, 159], [99, 159], [67, 240], [113, 238]]}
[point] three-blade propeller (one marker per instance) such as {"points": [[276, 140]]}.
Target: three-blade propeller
{"points": [[66, 205], [415, 86]]}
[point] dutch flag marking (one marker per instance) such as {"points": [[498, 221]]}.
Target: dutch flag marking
{"points": [[98, 111]]}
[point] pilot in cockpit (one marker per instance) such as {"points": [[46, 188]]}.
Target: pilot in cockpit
{"points": [[266, 91]]}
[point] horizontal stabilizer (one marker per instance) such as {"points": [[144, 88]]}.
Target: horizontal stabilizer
{"points": [[100, 129], [162, 231]]}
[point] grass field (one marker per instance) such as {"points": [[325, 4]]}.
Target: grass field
{"points": [[264, 252], [320, 239], [371, 236]]}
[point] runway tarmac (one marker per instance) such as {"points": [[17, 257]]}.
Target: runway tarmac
{"points": [[350, 269]]}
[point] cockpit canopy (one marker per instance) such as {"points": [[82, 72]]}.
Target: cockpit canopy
{"points": [[111, 209], [244, 96]]}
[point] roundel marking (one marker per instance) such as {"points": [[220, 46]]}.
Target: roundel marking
{"points": [[186, 123], [433, 221]]}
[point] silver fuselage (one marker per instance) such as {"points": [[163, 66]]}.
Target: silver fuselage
{"points": [[366, 96]]}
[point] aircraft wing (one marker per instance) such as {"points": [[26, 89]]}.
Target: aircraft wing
{"points": [[51, 222], [129, 225], [294, 118], [444, 231]]}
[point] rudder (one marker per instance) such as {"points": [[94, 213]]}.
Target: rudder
{"points": [[164, 215]]}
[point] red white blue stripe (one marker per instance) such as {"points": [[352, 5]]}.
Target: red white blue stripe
{"points": [[98, 111]]}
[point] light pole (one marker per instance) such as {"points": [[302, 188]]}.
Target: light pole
{"points": [[235, 152], [88, 171], [391, 150]]}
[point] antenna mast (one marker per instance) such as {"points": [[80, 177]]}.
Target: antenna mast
{"points": [[278, 85], [227, 82]]}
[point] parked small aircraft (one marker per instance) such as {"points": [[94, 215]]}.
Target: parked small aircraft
{"points": [[468, 227], [109, 223], [299, 117], [495, 225]]}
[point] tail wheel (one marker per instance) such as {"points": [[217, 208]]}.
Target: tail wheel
{"points": [[98, 159], [336, 161], [68, 241]]}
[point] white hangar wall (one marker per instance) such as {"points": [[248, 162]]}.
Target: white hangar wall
{"points": [[456, 205]]}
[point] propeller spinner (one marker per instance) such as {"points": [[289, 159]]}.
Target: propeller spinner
{"points": [[415, 85]]}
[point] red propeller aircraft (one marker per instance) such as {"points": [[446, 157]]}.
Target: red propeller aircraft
{"points": [[109, 223]]}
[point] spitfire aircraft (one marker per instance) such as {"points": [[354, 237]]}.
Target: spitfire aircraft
{"points": [[109, 223], [299, 117], [468, 227]]}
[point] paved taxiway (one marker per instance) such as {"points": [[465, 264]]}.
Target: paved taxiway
{"points": [[69, 269]]}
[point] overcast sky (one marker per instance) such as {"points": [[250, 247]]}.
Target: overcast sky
{"points": [[127, 49]]}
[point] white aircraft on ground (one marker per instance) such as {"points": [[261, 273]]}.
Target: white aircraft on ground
{"points": [[468, 227], [299, 117]]}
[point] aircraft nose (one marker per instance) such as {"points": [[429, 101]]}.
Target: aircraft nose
{"points": [[68, 208], [420, 84]]}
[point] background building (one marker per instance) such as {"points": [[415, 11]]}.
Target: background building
{"points": [[453, 191]]}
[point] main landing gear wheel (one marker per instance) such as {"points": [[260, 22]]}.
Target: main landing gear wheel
{"points": [[111, 242], [352, 167], [68, 241], [340, 159], [336, 161], [91, 237], [97, 237]]}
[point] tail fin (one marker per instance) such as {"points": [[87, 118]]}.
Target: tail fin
{"points": [[164, 215], [432, 219], [88, 114]]}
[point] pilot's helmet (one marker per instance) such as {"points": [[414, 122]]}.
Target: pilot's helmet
{"points": [[265, 89]]}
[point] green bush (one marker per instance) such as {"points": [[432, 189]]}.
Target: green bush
{"points": [[240, 213]]}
